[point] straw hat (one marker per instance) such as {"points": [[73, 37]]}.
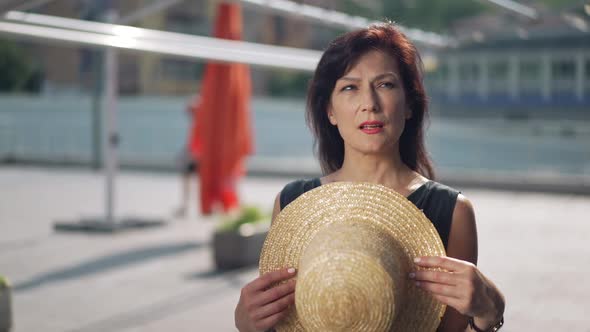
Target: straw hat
{"points": [[354, 245]]}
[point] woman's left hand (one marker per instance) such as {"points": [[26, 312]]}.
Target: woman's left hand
{"points": [[462, 286]]}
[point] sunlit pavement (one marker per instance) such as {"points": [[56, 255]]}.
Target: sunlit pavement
{"points": [[533, 245]]}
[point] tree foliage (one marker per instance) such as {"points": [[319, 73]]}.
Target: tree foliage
{"points": [[17, 70], [431, 15]]}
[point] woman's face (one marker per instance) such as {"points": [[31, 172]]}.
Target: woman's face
{"points": [[368, 105]]}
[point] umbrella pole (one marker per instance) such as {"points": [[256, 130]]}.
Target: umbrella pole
{"points": [[108, 222], [111, 136]]}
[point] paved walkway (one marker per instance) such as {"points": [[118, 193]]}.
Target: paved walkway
{"points": [[533, 245]]}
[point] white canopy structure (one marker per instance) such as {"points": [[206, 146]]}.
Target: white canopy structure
{"points": [[113, 37]]}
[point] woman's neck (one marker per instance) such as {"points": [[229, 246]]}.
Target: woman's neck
{"points": [[387, 170]]}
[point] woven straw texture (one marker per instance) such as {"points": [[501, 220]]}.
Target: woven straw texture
{"points": [[353, 245]]}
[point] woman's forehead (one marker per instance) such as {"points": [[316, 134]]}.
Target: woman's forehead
{"points": [[373, 62]]}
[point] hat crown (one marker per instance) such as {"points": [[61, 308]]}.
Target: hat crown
{"points": [[366, 279]]}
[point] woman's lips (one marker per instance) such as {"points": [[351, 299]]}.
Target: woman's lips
{"points": [[371, 127]]}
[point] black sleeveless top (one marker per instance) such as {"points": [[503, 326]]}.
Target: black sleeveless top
{"points": [[436, 200]]}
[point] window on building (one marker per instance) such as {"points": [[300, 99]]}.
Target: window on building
{"points": [[436, 79], [530, 70], [563, 69], [188, 23], [587, 77], [440, 73], [468, 71], [128, 74], [181, 70], [443, 71], [280, 29], [498, 75], [498, 70]]}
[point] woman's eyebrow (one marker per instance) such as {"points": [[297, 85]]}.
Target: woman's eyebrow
{"points": [[348, 78], [380, 76]]}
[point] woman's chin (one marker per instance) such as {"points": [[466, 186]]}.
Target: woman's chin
{"points": [[376, 151]]}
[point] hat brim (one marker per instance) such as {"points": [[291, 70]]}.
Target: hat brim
{"points": [[298, 223]]}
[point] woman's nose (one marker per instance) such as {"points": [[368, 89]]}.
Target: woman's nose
{"points": [[369, 100]]}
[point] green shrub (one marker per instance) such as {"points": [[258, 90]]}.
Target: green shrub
{"points": [[3, 282], [247, 215]]}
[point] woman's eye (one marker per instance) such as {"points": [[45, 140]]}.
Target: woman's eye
{"points": [[348, 88], [388, 85]]}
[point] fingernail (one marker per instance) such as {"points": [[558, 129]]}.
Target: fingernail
{"points": [[412, 275], [291, 270]]}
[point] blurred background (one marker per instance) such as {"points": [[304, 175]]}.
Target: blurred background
{"points": [[509, 93], [509, 88]]}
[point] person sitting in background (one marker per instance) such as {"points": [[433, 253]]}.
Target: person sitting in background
{"points": [[188, 165]]}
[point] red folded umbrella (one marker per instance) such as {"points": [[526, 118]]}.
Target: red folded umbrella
{"points": [[221, 135]]}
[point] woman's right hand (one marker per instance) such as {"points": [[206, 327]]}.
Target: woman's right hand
{"points": [[261, 307]]}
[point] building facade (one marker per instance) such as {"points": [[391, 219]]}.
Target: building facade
{"points": [[544, 71]]}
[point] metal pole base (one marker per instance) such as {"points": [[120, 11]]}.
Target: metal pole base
{"points": [[100, 225]]}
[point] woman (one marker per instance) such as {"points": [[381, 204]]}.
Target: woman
{"points": [[366, 108]]}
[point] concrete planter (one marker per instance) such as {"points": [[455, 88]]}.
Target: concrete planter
{"points": [[5, 307], [238, 248]]}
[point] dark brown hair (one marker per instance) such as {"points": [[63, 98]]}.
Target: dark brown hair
{"points": [[341, 55]]}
